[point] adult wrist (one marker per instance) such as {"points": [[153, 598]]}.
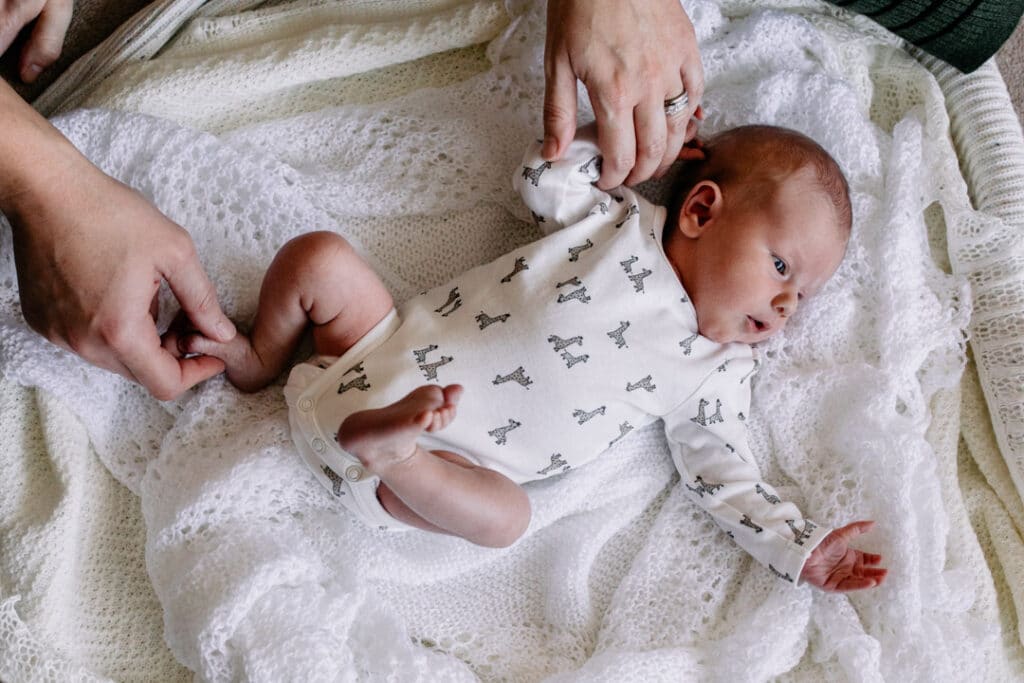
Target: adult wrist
{"points": [[33, 155]]}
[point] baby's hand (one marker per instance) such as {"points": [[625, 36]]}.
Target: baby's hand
{"points": [[836, 567]]}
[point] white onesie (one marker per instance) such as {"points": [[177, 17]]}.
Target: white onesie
{"points": [[563, 346]]}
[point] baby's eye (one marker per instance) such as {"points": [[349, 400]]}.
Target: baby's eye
{"points": [[780, 265]]}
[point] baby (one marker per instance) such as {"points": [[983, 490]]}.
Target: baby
{"points": [[624, 313]]}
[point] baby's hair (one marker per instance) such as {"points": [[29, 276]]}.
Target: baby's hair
{"points": [[759, 158]]}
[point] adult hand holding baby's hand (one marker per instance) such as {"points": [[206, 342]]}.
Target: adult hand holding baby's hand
{"points": [[47, 40], [633, 56], [836, 567]]}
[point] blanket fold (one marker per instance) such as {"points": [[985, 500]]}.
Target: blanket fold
{"points": [[263, 576]]}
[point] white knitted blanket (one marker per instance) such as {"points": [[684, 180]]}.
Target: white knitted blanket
{"points": [[263, 576]]}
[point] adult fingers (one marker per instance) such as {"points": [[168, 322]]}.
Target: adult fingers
{"points": [[13, 17], [47, 39], [616, 136], [155, 368], [652, 130], [693, 82], [194, 291], [559, 105]]}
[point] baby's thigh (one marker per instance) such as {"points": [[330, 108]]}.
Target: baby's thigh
{"points": [[340, 293]]}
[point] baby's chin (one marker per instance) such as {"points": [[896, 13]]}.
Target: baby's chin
{"points": [[722, 334]]}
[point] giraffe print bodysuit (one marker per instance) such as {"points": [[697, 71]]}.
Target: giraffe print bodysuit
{"points": [[564, 347]]}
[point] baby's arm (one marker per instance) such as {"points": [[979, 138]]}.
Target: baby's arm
{"points": [[835, 566], [562, 192], [707, 438]]}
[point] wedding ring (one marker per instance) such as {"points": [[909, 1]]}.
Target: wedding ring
{"points": [[677, 105]]}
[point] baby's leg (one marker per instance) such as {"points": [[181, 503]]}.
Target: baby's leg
{"points": [[437, 491], [315, 278]]}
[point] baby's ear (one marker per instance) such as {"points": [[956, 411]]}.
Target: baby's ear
{"points": [[701, 206]]}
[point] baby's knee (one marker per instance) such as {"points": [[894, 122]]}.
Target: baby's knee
{"points": [[313, 252], [510, 526]]}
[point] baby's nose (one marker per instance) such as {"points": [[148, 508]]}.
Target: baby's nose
{"points": [[785, 303]]}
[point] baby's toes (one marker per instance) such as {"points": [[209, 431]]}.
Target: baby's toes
{"points": [[171, 343], [195, 343]]}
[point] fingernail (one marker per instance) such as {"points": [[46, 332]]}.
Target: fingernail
{"points": [[30, 72], [225, 330], [549, 148]]}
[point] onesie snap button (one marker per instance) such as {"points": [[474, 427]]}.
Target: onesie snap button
{"points": [[319, 445], [353, 472], [305, 404]]}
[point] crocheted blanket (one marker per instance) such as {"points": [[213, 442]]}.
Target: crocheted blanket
{"points": [[263, 576]]}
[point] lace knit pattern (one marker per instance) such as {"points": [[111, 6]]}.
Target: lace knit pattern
{"points": [[263, 576]]}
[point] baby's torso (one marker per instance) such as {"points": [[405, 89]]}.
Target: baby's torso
{"points": [[563, 346]]}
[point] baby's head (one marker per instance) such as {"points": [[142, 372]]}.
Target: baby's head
{"points": [[757, 226]]}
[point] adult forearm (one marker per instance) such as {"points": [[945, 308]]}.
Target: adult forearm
{"points": [[32, 154]]}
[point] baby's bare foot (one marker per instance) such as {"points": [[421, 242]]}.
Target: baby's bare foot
{"points": [[243, 365], [386, 436]]}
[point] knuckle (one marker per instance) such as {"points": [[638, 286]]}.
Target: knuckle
{"points": [[47, 52], [619, 161], [615, 93], [653, 149], [114, 334], [554, 113], [179, 248]]}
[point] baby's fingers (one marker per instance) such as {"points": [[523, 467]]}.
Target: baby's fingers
{"points": [[855, 583], [876, 573], [854, 529], [871, 558]]}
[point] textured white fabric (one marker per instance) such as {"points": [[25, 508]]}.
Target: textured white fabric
{"points": [[337, 470], [262, 578]]}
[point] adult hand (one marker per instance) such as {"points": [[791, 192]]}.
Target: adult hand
{"points": [[91, 254], [632, 55], [44, 45], [836, 567]]}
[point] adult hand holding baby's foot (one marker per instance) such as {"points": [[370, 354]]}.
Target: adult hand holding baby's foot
{"points": [[836, 567]]}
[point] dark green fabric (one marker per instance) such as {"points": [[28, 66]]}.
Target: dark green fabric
{"points": [[964, 33]]}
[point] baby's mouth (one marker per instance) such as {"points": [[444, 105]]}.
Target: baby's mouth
{"points": [[755, 324]]}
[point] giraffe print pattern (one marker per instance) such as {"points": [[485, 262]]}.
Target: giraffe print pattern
{"points": [[337, 483], [618, 335], [584, 416], [801, 535], [701, 487], [500, 434], [704, 420], [556, 463], [533, 174], [518, 376], [485, 321], [518, 267]]}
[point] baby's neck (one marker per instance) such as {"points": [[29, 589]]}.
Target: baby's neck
{"points": [[678, 252]]}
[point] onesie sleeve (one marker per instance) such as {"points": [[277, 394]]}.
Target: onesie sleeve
{"points": [[562, 192], [707, 438]]}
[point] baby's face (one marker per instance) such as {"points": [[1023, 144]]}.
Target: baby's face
{"points": [[761, 263]]}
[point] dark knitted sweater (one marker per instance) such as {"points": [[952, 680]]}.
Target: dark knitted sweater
{"points": [[964, 33]]}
